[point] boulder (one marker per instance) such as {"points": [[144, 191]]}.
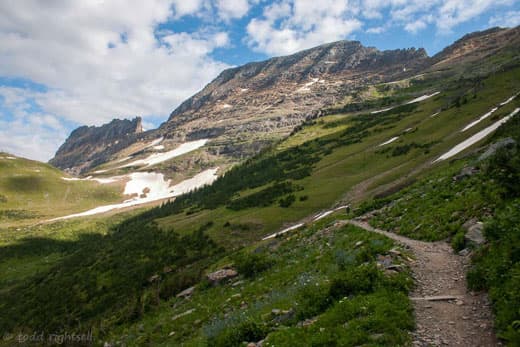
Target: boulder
{"points": [[466, 172], [222, 275], [475, 232], [186, 293], [496, 146]]}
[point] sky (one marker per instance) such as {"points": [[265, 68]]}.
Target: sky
{"points": [[65, 64]]}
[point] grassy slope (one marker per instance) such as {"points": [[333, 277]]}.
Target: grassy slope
{"points": [[347, 166], [437, 207], [31, 191], [106, 272], [318, 274]]}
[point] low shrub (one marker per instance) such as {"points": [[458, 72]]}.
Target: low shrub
{"points": [[251, 264]]}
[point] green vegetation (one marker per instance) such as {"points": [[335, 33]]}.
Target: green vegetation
{"points": [[313, 281], [31, 191], [478, 187], [119, 276], [139, 262]]}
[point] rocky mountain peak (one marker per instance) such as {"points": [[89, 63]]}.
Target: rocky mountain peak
{"points": [[92, 145]]}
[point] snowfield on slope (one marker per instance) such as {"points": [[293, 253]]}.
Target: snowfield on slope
{"points": [[157, 158], [489, 113], [389, 141], [283, 231], [472, 124], [146, 187], [476, 138], [422, 98], [418, 99]]}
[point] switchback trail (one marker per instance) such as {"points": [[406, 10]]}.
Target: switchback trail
{"points": [[446, 313]]}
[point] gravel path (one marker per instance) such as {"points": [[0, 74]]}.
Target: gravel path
{"points": [[446, 313]]}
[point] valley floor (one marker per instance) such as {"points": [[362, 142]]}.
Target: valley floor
{"points": [[446, 312]]}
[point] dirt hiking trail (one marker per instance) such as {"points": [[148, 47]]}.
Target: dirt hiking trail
{"points": [[446, 313]]}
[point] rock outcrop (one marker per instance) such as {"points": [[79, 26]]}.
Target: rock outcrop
{"points": [[88, 147]]}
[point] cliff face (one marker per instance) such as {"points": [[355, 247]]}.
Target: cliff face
{"points": [[90, 146], [258, 102]]}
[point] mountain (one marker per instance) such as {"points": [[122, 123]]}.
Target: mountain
{"points": [[250, 107], [88, 147], [298, 242], [247, 108]]}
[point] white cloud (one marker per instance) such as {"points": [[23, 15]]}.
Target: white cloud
{"points": [[104, 60], [229, 9], [26, 132], [509, 19], [415, 26], [454, 12], [376, 30], [187, 7], [289, 26]]}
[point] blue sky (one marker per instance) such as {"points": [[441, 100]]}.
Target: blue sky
{"points": [[70, 63]]}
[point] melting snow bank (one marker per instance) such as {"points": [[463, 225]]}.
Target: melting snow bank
{"points": [[490, 112], [157, 158], [322, 215], [150, 187], [155, 142], [389, 141], [509, 100], [383, 110], [316, 218], [477, 137], [422, 98], [480, 119], [435, 114], [283, 231], [89, 178]]}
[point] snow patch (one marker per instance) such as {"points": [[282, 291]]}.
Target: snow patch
{"points": [[226, 106], [99, 171], [150, 187], [283, 231], [89, 178], [383, 110], [509, 100], [475, 138], [422, 98], [10, 158], [155, 142], [322, 215], [158, 148], [472, 124], [157, 158], [435, 114], [306, 86], [108, 180], [389, 141], [76, 178]]}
